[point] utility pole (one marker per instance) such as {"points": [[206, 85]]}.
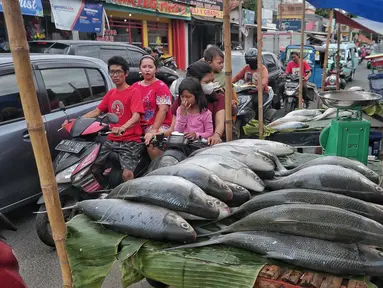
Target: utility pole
{"points": [[303, 26], [329, 31], [260, 88]]}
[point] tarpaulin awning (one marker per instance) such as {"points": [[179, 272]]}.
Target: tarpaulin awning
{"points": [[370, 9], [343, 19], [373, 25]]}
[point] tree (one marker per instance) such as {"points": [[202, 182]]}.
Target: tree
{"points": [[250, 5], [326, 13]]}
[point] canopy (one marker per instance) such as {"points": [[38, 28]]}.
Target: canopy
{"points": [[371, 9], [343, 19], [377, 27]]}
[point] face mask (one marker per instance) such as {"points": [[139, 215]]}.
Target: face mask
{"points": [[209, 88], [253, 65]]}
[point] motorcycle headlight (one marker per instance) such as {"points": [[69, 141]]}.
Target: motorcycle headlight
{"points": [[64, 176], [290, 92], [332, 80]]}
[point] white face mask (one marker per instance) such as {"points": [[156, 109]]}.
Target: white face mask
{"points": [[209, 88]]}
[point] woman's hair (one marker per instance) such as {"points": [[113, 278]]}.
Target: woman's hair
{"points": [[148, 57], [194, 87], [198, 70]]}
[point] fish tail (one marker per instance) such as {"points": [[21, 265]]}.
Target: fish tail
{"points": [[63, 209], [213, 241]]}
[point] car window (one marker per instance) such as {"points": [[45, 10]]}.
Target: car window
{"points": [[10, 102], [97, 83], [269, 62], [89, 51], [68, 85], [48, 47], [135, 57], [107, 53]]}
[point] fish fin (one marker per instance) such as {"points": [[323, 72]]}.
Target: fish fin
{"points": [[198, 229], [284, 220], [237, 153], [225, 166], [210, 234], [275, 255], [213, 241], [103, 222]]}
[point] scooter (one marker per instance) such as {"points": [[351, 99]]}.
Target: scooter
{"points": [[330, 82], [166, 61], [73, 167], [248, 107]]}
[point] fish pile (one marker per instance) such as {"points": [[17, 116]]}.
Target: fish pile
{"points": [[323, 215], [297, 119]]}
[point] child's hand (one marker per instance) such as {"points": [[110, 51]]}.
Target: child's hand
{"points": [[190, 135], [184, 107]]}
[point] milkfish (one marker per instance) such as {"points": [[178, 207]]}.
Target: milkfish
{"points": [[325, 114], [331, 178], [224, 211], [138, 219], [290, 125], [304, 112], [172, 192], [240, 195], [286, 119], [277, 148], [316, 221], [228, 169], [310, 253], [200, 176], [339, 161], [296, 196]]}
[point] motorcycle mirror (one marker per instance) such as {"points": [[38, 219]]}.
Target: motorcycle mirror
{"points": [[62, 106], [112, 118]]}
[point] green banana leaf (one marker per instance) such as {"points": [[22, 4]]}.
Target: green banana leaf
{"points": [[92, 250]]}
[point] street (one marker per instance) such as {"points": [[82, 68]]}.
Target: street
{"points": [[38, 263]]}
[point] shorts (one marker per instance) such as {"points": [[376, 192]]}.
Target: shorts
{"points": [[162, 129], [129, 153]]}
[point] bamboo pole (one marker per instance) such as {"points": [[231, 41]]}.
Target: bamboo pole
{"points": [[338, 60], [301, 54], [20, 53], [260, 88], [228, 70], [325, 64]]}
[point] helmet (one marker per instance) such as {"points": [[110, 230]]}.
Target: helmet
{"points": [[251, 55], [148, 50]]}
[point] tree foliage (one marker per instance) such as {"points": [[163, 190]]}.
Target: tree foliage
{"points": [[250, 5]]}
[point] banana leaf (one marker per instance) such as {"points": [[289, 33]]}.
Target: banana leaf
{"points": [[92, 251]]}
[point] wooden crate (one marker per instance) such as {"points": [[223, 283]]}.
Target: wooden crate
{"points": [[273, 276]]}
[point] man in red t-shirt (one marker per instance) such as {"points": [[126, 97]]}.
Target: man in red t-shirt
{"points": [[293, 68], [126, 103]]}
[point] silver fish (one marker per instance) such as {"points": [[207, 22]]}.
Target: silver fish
{"points": [[325, 114], [240, 195], [309, 253], [331, 178], [304, 112], [224, 211], [202, 177], [296, 196], [316, 221], [138, 219], [290, 125], [175, 193], [277, 148], [289, 119], [228, 169], [339, 161]]}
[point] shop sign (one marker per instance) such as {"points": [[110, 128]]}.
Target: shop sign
{"points": [[248, 16], [29, 7], [160, 6], [207, 8], [108, 35], [77, 15], [287, 25]]}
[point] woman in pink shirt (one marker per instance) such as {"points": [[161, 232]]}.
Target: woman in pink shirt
{"points": [[193, 118]]}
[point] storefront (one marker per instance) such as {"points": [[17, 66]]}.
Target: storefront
{"points": [[150, 24], [206, 27]]}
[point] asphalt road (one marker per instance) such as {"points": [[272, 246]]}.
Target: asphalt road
{"points": [[38, 263]]}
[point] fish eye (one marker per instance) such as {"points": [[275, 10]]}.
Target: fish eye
{"points": [[380, 189], [210, 203], [217, 202], [185, 225]]}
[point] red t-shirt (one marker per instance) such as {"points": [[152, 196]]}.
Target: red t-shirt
{"points": [[123, 103], [9, 268], [153, 95], [214, 107], [293, 68]]}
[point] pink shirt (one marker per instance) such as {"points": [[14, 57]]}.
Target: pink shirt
{"points": [[201, 124]]}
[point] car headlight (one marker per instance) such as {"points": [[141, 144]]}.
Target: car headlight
{"points": [[332, 80], [64, 176]]}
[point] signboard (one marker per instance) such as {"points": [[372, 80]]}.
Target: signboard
{"points": [[248, 16], [77, 15], [267, 17], [160, 6], [287, 25], [29, 7], [207, 8]]}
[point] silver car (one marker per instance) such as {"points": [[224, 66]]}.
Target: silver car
{"points": [[79, 82]]}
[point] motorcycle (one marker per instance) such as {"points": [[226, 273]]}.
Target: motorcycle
{"points": [[166, 61], [290, 102], [73, 167], [248, 108], [330, 82]]}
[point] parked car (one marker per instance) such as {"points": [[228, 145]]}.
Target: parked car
{"points": [[103, 50], [272, 63], [79, 82]]}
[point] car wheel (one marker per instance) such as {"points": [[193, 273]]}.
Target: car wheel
{"points": [[43, 228]]}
